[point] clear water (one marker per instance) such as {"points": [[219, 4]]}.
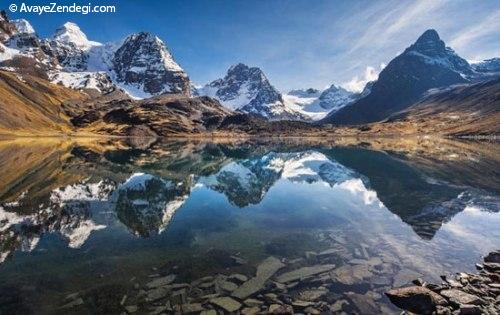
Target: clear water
{"points": [[102, 219]]}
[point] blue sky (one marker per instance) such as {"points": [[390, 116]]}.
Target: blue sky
{"points": [[297, 43]]}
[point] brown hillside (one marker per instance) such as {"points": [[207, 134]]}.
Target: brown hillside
{"points": [[33, 106]]}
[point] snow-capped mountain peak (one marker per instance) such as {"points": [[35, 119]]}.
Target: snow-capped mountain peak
{"points": [[336, 97], [248, 90], [433, 50], [310, 92], [70, 33], [144, 64], [23, 26]]}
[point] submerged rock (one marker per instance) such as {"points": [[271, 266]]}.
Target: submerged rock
{"points": [[226, 303], [304, 272], [416, 299], [160, 282], [265, 270]]}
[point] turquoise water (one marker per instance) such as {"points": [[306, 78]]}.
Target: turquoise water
{"points": [[105, 222]]}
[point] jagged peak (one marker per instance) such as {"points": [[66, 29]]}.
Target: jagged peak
{"points": [[144, 37], [238, 68], [138, 40], [23, 26], [70, 32], [428, 43], [429, 35]]}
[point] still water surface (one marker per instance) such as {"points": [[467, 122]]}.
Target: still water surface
{"points": [[91, 224]]}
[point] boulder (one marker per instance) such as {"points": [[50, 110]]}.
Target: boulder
{"points": [[493, 257], [415, 299], [460, 297]]}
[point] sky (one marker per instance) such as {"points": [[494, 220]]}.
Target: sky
{"points": [[297, 43]]}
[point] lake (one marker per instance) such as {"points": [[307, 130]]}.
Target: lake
{"points": [[113, 226]]}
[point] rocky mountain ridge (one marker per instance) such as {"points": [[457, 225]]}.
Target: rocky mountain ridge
{"points": [[141, 65], [425, 65]]}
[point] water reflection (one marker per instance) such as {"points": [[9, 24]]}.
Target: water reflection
{"points": [[184, 198]]}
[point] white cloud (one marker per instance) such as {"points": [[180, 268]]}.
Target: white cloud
{"points": [[357, 84]]}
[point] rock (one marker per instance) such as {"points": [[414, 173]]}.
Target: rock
{"points": [[178, 297], [310, 255], [311, 310], [72, 296], [280, 309], [156, 294], [238, 277], [337, 306], [238, 260], [350, 275], [76, 302], [459, 297], [202, 280], [226, 303], [364, 303], [493, 257], [253, 302], [163, 281], [131, 308], [467, 309], [250, 310], [493, 267], [301, 304], [265, 270], [160, 310], [415, 299], [312, 295], [227, 286], [303, 273], [208, 312], [328, 252], [193, 308]]}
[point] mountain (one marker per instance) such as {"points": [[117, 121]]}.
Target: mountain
{"points": [[316, 104], [489, 66], [248, 90], [141, 65], [426, 64], [144, 63], [23, 26], [336, 97]]}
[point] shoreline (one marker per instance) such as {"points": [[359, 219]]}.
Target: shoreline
{"points": [[463, 293]]}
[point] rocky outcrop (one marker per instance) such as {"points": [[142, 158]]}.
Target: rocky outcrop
{"points": [[464, 293]]}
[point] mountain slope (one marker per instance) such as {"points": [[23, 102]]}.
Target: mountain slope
{"points": [[426, 64], [33, 106], [463, 110], [164, 115]]}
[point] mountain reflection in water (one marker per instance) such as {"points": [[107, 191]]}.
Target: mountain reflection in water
{"points": [[90, 207]]}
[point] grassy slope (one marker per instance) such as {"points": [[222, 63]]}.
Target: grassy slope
{"points": [[33, 106]]}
